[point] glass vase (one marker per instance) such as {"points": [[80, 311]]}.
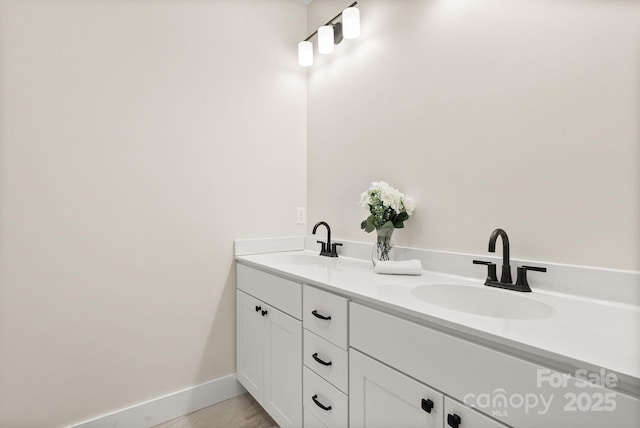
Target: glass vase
{"points": [[383, 250]]}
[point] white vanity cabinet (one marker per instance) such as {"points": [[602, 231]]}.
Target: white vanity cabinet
{"points": [[499, 387], [326, 361], [269, 343], [314, 358]]}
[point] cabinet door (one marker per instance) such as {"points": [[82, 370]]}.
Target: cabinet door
{"points": [[381, 397], [250, 344], [457, 415], [283, 368]]}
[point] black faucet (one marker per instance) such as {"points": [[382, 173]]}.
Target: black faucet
{"points": [[506, 267], [328, 249], [505, 280]]}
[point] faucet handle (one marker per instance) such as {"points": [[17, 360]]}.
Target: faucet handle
{"points": [[334, 246], [536, 268], [323, 249], [521, 280], [491, 269]]}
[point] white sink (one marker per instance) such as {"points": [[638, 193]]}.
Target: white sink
{"points": [[484, 301]]}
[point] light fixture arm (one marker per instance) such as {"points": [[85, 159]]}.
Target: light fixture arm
{"points": [[329, 22]]}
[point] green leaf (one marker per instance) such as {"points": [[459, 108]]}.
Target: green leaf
{"points": [[369, 224], [402, 216], [398, 225]]}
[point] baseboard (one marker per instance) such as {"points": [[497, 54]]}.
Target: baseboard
{"points": [[170, 406]]}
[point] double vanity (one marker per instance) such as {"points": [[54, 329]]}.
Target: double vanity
{"points": [[325, 342]]}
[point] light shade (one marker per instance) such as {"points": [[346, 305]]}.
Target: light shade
{"points": [[351, 23], [325, 39], [305, 53]]}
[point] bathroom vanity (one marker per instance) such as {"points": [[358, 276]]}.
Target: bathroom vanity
{"points": [[325, 342]]}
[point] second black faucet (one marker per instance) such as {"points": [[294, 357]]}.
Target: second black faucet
{"points": [[505, 279]]}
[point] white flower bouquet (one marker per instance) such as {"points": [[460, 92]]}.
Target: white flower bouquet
{"points": [[389, 208]]}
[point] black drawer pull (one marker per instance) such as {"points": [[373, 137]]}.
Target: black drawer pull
{"points": [[318, 359], [322, 317], [453, 420], [427, 405], [319, 404], [258, 308]]}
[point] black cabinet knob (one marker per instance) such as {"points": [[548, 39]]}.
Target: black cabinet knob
{"points": [[427, 405], [454, 420], [258, 308], [264, 313]]}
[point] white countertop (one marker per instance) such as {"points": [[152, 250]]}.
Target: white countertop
{"points": [[580, 333]]}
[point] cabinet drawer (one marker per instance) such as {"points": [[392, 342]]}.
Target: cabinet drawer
{"points": [[337, 371], [278, 292], [325, 314], [318, 392], [310, 421]]}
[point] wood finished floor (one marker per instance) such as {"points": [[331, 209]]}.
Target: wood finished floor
{"points": [[238, 412]]}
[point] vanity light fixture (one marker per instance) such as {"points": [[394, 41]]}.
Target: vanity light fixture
{"points": [[305, 53], [351, 23], [325, 39], [331, 34]]}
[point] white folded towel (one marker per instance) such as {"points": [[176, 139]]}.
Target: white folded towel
{"points": [[404, 267]]}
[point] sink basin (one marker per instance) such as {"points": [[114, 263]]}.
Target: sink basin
{"points": [[484, 301]]}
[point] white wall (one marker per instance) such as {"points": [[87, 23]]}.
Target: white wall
{"points": [[520, 114], [137, 140]]}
